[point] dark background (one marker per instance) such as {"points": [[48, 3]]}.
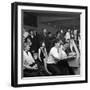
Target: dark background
{"points": [[52, 21]]}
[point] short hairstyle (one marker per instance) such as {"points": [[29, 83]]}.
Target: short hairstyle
{"points": [[27, 39], [56, 41], [25, 45], [41, 42], [49, 33]]}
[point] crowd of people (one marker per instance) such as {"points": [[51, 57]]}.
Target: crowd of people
{"points": [[45, 53]]}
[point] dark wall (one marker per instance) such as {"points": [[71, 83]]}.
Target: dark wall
{"points": [[30, 19]]}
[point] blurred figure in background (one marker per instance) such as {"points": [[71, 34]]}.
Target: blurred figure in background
{"points": [[58, 35], [34, 40], [44, 37], [49, 41], [29, 65], [45, 32], [75, 34], [25, 34], [67, 35]]}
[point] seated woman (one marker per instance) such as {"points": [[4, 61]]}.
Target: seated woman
{"points": [[42, 53], [29, 65], [56, 63], [54, 57]]}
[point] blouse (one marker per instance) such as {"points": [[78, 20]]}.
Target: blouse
{"points": [[27, 58]]}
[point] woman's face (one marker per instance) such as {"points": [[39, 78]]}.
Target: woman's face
{"points": [[68, 40], [57, 44], [27, 47], [35, 55], [43, 44], [29, 41]]}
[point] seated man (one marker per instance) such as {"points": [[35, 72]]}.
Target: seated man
{"points": [[29, 65]]}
